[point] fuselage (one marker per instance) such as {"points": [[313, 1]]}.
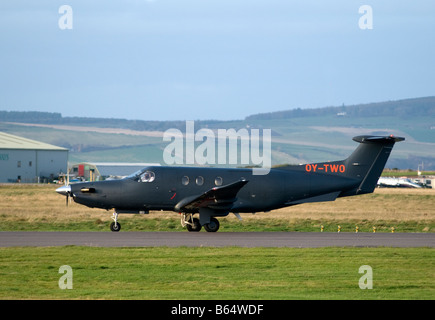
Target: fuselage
{"points": [[161, 188]]}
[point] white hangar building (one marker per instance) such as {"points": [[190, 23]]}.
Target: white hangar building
{"points": [[25, 160]]}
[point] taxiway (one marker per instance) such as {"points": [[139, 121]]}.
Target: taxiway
{"points": [[220, 239]]}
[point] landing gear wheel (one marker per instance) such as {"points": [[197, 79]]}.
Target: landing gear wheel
{"points": [[115, 226], [194, 226], [213, 226]]}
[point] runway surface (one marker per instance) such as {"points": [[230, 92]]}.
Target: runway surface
{"points": [[219, 239]]}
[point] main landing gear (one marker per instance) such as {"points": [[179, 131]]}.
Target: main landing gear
{"points": [[193, 225]]}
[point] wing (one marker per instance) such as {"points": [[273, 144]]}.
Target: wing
{"points": [[217, 198]]}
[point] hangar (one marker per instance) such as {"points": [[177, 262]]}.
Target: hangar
{"points": [[30, 161]]}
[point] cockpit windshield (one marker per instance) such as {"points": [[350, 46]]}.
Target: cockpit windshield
{"points": [[143, 175], [147, 176], [135, 175]]}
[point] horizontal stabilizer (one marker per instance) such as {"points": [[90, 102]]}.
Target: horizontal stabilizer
{"points": [[377, 139]]}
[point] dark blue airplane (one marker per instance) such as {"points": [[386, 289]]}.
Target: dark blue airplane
{"points": [[215, 192]]}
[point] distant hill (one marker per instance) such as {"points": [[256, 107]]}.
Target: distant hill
{"points": [[298, 135], [401, 108], [424, 107], [57, 119]]}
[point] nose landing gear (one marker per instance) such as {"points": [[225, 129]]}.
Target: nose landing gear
{"points": [[115, 226]]}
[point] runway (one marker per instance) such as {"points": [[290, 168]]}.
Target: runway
{"points": [[219, 239]]}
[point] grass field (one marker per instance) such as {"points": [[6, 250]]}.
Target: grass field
{"points": [[216, 273], [219, 273]]}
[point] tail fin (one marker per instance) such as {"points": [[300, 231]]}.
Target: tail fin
{"points": [[368, 160]]}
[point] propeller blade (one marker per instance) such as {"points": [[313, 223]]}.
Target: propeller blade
{"points": [[66, 191]]}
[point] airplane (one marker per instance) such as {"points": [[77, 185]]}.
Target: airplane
{"points": [[215, 192], [389, 182]]}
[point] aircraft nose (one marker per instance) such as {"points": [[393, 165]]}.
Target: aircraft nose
{"points": [[64, 190]]}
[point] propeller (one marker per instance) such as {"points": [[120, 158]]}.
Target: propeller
{"points": [[67, 198], [68, 193], [65, 189]]}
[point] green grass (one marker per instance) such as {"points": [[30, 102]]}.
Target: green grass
{"points": [[138, 223], [216, 273], [406, 173]]}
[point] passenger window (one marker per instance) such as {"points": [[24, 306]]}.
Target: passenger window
{"points": [[199, 181], [185, 180], [147, 176], [218, 181]]}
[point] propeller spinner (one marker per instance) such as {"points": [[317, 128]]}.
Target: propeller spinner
{"points": [[66, 191]]}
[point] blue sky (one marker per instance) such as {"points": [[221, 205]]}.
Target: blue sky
{"points": [[207, 59]]}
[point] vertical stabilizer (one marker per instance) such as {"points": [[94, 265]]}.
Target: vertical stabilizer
{"points": [[367, 162]]}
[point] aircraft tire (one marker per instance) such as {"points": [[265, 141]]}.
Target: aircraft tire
{"points": [[196, 226], [213, 226], [113, 228]]}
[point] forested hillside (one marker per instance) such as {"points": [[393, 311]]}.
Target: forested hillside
{"points": [[418, 107], [424, 107]]}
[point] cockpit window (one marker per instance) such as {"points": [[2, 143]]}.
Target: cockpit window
{"points": [[147, 176], [143, 175], [135, 175]]}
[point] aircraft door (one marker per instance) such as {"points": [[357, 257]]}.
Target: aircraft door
{"points": [[165, 188]]}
